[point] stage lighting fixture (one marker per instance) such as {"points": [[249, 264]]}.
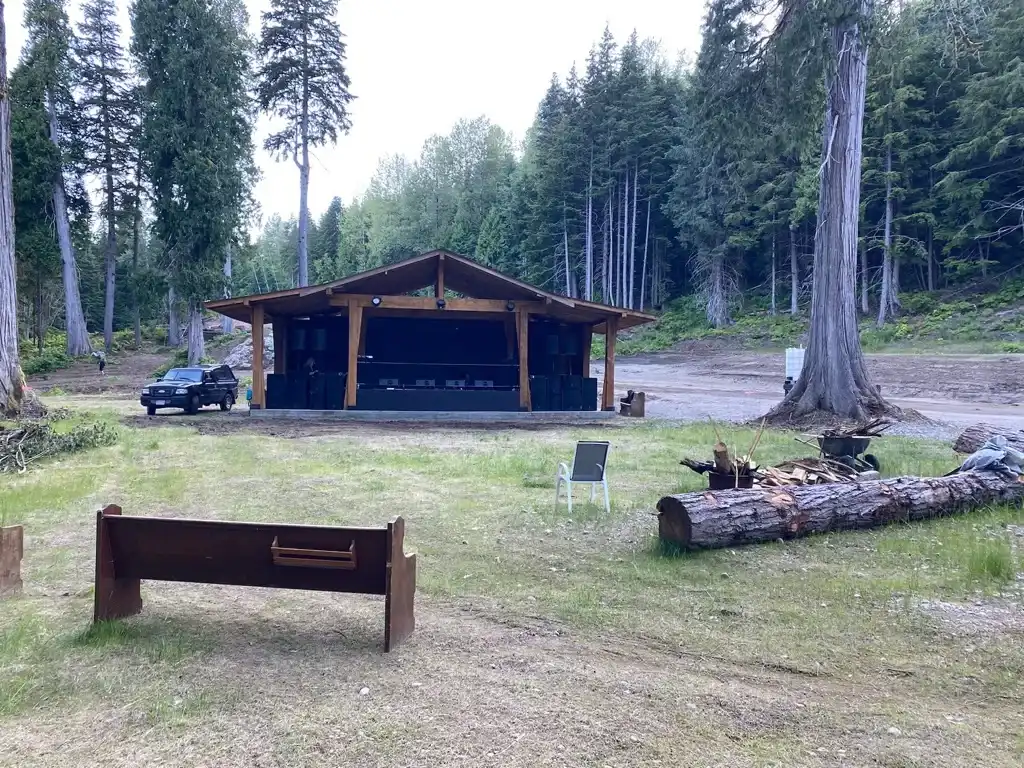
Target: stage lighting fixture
{"points": [[375, 301], [441, 304], [510, 306]]}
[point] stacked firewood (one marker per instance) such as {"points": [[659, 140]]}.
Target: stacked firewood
{"points": [[805, 472]]}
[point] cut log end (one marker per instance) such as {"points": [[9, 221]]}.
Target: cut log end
{"points": [[972, 438], [673, 523]]}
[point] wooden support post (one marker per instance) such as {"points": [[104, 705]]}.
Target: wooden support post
{"points": [[259, 381], [113, 597], [439, 285], [588, 346], [355, 323], [608, 392], [400, 587], [523, 332], [279, 328]]}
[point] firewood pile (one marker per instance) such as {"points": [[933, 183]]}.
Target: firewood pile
{"points": [[805, 472], [873, 428]]}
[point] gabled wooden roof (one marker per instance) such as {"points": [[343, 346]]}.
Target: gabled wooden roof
{"points": [[460, 274]]}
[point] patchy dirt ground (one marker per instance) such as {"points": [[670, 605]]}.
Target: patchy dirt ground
{"points": [[125, 373], [701, 380]]}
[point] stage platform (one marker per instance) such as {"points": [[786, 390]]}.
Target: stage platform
{"points": [[443, 417]]}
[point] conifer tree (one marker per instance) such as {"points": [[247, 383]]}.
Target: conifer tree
{"points": [[303, 83], [107, 121]]}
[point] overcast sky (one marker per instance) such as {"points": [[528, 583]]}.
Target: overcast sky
{"points": [[418, 66]]}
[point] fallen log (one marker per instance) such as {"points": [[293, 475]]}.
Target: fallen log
{"points": [[972, 438], [709, 519]]}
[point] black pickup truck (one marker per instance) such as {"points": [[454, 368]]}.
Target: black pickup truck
{"points": [[192, 388]]}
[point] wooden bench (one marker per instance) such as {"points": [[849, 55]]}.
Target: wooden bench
{"points": [[324, 558]]}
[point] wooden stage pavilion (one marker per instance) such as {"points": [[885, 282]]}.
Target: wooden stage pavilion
{"points": [[474, 340]]}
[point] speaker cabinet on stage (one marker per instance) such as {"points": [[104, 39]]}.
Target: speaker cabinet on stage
{"points": [[317, 392], [277, 391], [298, 391], [555, 393], [572, 393], [540, 393], [334, 391], [590, 394]]}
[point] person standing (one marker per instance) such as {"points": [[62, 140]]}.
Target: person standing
{"points": [[101, 356]]}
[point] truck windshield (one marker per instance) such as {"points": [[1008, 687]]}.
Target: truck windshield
{"points": [[183, 374]]}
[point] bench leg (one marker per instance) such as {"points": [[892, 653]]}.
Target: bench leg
{"points": [[114, 598], [399, 619]]}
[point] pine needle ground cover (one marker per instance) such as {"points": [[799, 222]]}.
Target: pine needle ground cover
{"points": [[541, 639]]}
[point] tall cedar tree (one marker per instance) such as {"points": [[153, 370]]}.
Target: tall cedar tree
{"points": [[103, 83], [47, 54], [834, 381], [197, 139], [12, 382], [302, 81]]}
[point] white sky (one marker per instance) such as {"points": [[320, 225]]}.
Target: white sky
{"points": [[418, 66]]}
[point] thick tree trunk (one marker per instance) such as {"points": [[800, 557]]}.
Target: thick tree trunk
{"points": [[227, 324], [864, 306], [835, 381], [623, 285], [196, 343], [705, 520], [12, 382], [74, 317], [717, 293], [173, 321], [972, 438], [606, 234], [303, 276], [794, 273]]}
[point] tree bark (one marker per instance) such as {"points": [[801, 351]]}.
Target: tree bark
{"points": [[12, 382], [647, 242], [136, 226], [227, 324], [885, 302], [74, 317], [632, 242], [589, 289], [110, 263], [718, 295], [173, 322], [773, 272], [864, 306], [972, 438], [835, 382], [196, 343], [794, 273], [705, 520]]}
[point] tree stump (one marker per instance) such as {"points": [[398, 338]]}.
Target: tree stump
{"points": [[707, 519], [972, 438]]}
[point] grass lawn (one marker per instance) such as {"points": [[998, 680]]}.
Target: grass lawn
{"points": [[541, 640]]}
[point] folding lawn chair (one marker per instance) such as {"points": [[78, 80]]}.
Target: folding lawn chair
{"points": [[588, 466]]}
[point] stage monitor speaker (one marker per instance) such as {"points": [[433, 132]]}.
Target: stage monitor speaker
{"points": [[298, 391], [334, 391], [572, 393], [277, 391], [540, 393], [590, 394], [317, 392]]}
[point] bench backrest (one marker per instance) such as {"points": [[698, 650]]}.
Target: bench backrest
{"points": [[325, 558]]}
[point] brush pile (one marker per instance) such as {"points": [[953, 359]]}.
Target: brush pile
{"points": [[29, 441]]}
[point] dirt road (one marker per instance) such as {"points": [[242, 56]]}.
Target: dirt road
{"points": [[702, 380]]}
